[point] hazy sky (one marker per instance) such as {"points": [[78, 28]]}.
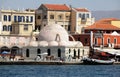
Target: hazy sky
{"points": [[90, 4]]}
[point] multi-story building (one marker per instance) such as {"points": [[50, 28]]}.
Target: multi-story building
{"points": [[72, 19], [17, 22], [48, 14], [80, 18], [104, 34]]}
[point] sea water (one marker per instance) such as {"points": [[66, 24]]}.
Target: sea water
{"points": [[60, 71]]}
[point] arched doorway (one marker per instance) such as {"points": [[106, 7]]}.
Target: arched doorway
{"points": [[49, 52], [4, 49], [15, 50], [27, 53], [59, 53]]}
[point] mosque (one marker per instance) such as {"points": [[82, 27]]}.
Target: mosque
{"points": [[52, 44]]}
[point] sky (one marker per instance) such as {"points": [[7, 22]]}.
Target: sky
{"points": [[93, 5]]}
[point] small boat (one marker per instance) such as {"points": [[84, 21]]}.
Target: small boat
{"points": [[98, 58], [92, 61]]}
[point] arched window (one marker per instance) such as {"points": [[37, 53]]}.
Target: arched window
{"points": [[108, 40], [38, 51], [27, 18], [22, 19], [9, 18], [115, 40], [83, 17], [59, 52], [27, 53], [5, 18], [74, 53], [31, 19], [49, 52], [4, 28], [15, 18], [19, 18], [87, 15], [9, 28], [51, 16]]}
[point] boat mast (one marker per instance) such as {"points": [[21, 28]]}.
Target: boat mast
{"points": [[91, 44]]}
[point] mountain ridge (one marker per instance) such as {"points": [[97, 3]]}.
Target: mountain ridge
{"points": [[106, 14]]}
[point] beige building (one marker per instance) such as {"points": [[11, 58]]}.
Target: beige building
{"points": [[116, 23], [80, 18], [17, 22], [48, 14]]}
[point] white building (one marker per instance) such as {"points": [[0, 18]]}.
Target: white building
{"points": [[54, 40], [80, 18]]}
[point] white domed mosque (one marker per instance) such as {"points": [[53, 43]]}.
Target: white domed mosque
{"points": [[53, 44]]}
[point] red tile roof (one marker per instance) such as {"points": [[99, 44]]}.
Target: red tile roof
{"points": [[82, 9], [106, 20], [102, 27], [57, 7], [103, 24]]}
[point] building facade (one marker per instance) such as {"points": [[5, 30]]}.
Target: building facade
{"points": [[48, 14], [52, 44], [80, 18], [104, 34], [17, 22]]}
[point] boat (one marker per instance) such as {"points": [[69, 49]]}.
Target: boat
{"points": [[96, 56], [92, 61]]}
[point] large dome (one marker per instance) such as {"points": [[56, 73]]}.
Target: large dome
{"points": [[53, 33]]}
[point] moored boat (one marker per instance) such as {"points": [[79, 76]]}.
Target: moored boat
{"points": [[92, 61]]}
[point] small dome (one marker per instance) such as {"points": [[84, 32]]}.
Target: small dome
{"points": [[62, 43], [53, 32], [78, 44], [70, 43], [34, 43], [75, 44], [43, 43], [53, 43]]}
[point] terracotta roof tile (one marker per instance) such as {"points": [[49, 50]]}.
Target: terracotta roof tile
{"points": [[106, 20], [57, 7], [103, 24], [82, 9], [99, 26]]}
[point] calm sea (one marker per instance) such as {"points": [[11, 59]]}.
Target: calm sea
{"points": [[60, 71]]}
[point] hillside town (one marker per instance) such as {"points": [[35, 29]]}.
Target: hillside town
{"points": [[57, 33]]}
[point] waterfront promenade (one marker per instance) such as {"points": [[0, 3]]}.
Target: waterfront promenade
{"points": [[44, 63]]}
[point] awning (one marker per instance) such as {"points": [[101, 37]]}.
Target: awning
{"points": [[109, 50]]}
